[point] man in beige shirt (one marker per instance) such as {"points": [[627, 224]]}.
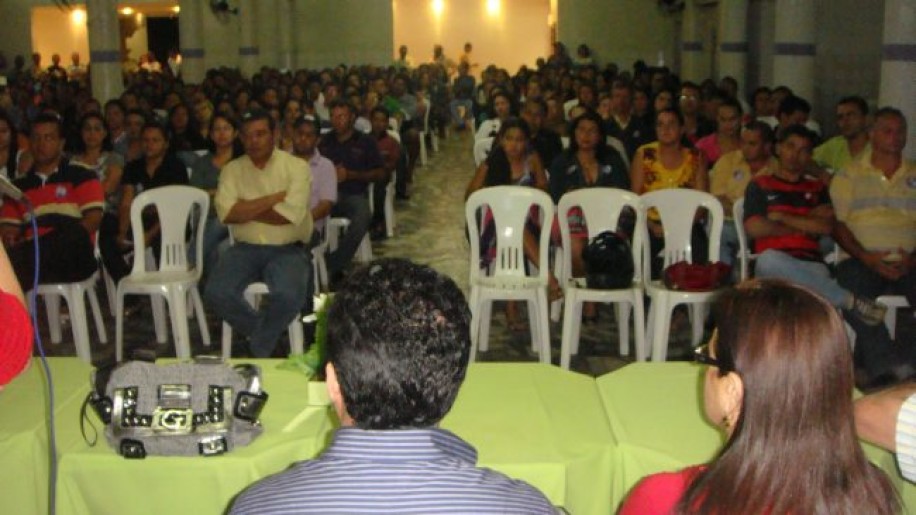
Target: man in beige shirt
{"points": [[263, 197], [731, 174]]}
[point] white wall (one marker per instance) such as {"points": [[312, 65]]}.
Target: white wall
{"points": [[62, 34], [619, 31], [514, 35]]}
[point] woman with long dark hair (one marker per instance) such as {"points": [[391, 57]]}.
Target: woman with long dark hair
{"points": [[94, 152], [512, 162], [779, 384], [224, 147], [10, 155], [588, 163]]}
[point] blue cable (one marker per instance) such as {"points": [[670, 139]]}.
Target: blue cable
{"points": [[33, 304]]}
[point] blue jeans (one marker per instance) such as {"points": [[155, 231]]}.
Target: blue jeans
{"points": [[354, 207], [729, 245], [286, 269], [875, 351], [811, 274], [215, 233]]}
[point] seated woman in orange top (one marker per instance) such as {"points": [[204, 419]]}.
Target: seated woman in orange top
{"points": [[778, 382]]}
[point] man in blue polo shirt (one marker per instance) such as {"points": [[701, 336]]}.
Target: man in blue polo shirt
{"points": [[391, 383], [358, 163]]}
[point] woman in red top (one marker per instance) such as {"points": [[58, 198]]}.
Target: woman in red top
{"points": [[15, 328], [779, 384]]}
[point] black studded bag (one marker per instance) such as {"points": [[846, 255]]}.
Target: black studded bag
{"points": [[181, 409]]}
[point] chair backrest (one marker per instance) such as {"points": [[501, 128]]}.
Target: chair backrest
{"points": [[601, 208], [426, 114], [175, 206], [677, 209], [509, 207], [744, 251], [482, 149]]}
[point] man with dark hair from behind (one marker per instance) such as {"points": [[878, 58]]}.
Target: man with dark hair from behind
{"points": [[398, 346]]}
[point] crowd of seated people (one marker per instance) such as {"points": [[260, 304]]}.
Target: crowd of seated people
{"points": [[81, 163]]}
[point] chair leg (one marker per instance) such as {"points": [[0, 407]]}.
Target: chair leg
{"points": [[639, 326], [178, 313], [159, 321], [483, 324], [76, 302], [97, 314], [227, 341], [296, 337], [389, 215], [661, 322], [119, 326], [698, 319], [201, 316], [543, 322], [52, 308], [572, 317], [622, 310], [423, 157]]}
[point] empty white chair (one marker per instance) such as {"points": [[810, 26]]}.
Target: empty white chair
{"points": [[173, 278], [602, 208], [509, 206], [424, 132], [677, 208], [75, 296]]}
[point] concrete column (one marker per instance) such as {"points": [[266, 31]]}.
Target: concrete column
{"points": [[104, 49], [733, 41], [285, 20], [190, 39], [898, 65], [794, 47], [691, 45], [249, 53]]}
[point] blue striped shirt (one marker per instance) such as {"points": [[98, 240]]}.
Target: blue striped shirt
{"points": [[906, 438], [401, 471]]}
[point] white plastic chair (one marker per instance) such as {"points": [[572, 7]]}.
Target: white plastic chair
{"points": [[173, 278], [482, 149], [745, 256], [601, 207], [677, 208], [335, 226], [75, 295], [510, 207]]}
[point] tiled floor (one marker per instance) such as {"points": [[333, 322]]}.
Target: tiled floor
{"points": [[430, 230]]}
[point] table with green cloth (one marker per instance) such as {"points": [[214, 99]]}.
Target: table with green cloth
{"points": [[540, 424], [656, 417], [297, 424], [24, 430]]}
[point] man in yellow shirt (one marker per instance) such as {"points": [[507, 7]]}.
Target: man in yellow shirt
{"points": [[875, 203], [852, 121], [731, 174], [263, 197]]}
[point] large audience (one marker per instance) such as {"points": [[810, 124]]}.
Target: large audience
{"points": [[561, 125]]}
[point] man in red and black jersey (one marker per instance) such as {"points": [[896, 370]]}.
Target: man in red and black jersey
{"points": [[786, 213], [67, 203]]}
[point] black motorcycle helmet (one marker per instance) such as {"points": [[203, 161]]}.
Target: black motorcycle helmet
{"points": [[608, 262]]}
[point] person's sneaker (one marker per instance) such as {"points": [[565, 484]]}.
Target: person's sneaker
{"points": [[869, 311]]}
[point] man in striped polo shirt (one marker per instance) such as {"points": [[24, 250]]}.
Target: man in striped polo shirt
{"points": [[888, 420], [67, 203], [785, 213], [875, 203], [398, 346]]}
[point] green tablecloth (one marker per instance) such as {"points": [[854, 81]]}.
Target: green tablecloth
{"points": [[540, 424], [24, 433], [655, 414], [95, 480]]}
